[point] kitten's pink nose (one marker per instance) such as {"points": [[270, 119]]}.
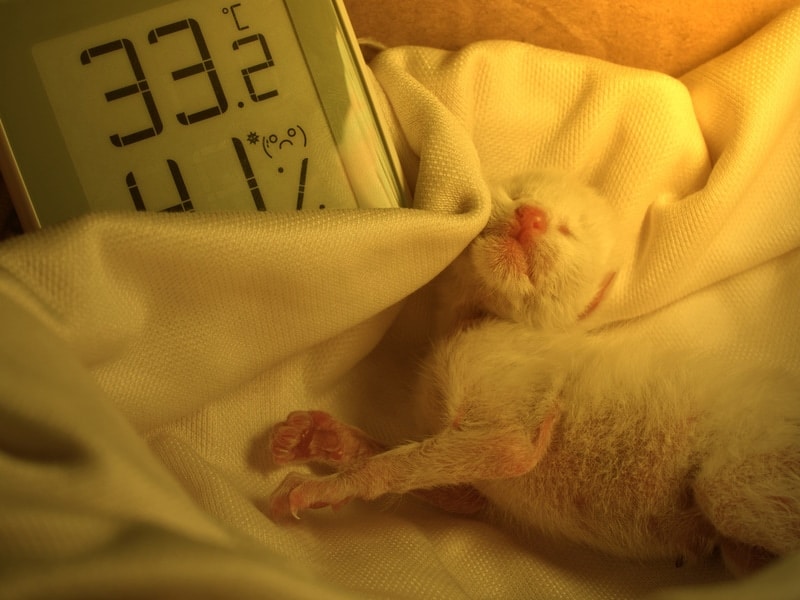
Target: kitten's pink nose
{"points": [[531, 221]]}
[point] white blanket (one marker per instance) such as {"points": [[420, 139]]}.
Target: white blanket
{"points": [[145, 357]]}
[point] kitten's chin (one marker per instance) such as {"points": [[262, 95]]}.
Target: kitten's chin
{"points": [[528, 309], [515, 299]]}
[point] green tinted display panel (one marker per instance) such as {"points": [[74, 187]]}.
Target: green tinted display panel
{"points": [[187, 105]]}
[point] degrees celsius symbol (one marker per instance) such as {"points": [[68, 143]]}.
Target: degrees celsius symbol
{"points": [[232, 11]]}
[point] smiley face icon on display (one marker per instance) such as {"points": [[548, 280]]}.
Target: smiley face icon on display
{"points": [[288, 153]]}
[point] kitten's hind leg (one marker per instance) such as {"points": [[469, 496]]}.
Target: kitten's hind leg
{"points": [[754, 504], [317, 437]]}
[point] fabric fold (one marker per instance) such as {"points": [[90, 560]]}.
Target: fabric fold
{"points": [[146, 357]]}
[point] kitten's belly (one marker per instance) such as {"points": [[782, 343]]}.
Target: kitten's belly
{"points": [[625, 493]]}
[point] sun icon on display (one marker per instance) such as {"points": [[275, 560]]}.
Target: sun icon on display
{"points": [[253, 138]]}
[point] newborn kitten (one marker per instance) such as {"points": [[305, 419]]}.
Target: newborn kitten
{"points": [[624, 447]]}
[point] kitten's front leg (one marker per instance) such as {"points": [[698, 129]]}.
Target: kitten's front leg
{"points": [[454, 457], [316, 437]]}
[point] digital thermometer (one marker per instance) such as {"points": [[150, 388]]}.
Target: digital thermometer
{"points": [[164, 105]]}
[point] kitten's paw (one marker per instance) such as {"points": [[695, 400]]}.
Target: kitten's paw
{"points": [[316, 436], [742, 560], [306, 436], [300, 492]]}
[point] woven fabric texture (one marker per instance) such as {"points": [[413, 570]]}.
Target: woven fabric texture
{"points": [[145, 357]]}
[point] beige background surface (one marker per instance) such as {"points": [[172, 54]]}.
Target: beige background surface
{"points": [[668, 36]]}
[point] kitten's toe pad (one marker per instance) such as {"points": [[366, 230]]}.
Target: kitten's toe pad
{"points": [[305, 436]]}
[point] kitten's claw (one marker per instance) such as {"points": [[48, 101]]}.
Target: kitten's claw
{"points": [[298, 492]]}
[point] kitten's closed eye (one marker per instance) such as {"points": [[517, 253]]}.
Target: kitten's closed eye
{"points": [[564, 230]]}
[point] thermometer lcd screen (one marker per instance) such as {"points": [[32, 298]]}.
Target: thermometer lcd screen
{"points": [[213, 103]]}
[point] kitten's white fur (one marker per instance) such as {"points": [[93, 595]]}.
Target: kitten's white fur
{"points": [[620, 445], [653, 454]]}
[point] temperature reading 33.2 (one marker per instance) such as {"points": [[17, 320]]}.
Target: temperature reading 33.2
{"points": [[193, 104]]}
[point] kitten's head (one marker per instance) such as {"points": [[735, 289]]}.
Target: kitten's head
{"points": [[544, 257]]}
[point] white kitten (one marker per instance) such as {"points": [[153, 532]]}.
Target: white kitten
{"points": [[621, 446]]}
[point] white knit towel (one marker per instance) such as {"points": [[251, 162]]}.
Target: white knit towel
{"points": [[145, 357]]}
